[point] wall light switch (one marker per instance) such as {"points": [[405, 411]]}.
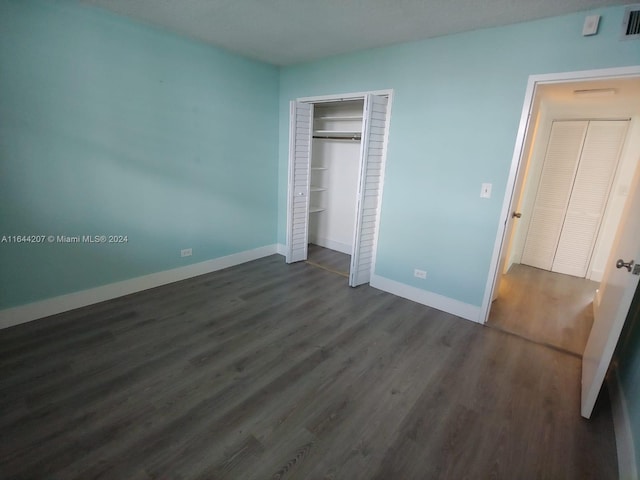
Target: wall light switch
{"points": [[590, 25], [485, 192]]}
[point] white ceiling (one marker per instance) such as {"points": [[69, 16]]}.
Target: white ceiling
{"points": [[284, 32]]}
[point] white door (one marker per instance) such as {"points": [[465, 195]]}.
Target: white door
{"points": [[300, 131], [612, 304], [369, 188]]}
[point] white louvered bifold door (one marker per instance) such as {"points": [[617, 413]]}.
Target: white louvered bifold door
{"points": [[369, 189], [301, 116], [591, 187], [554, 191]]}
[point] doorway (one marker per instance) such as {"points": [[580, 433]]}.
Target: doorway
{"points": [[337, 154], [550, 308]]}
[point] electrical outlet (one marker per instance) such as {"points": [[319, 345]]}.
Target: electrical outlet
{"points": [[186, 252], [420, 274]]}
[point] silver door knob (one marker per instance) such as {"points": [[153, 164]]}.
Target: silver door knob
{"points": [[621, 263], [516, 214]]}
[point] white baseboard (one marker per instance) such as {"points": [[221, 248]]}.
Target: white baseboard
{"points": [[595, 275], [332, 244], [627, 466], [430, 299], [281, 249], [51, 306]]}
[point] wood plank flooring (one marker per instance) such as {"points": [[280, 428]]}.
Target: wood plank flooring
{"points": [[275, 371], [545, 307], [328, 259]]}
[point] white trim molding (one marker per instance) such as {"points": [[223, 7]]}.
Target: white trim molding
{"points": [[345, 96], [596, 275], [51, 306], [430, 299], [627, 466]]}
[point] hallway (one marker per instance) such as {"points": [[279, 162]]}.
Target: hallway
{"points": [[545, 307]]}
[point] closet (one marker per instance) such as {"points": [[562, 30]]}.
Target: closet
{"points": [[336, 161], [578, 170]]}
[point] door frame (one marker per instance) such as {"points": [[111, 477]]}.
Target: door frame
{"points": [[318, 99], [516, 171]]}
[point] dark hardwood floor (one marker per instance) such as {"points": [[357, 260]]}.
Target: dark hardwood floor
{"points": [[545, 307], [273, 371], [332, 260]]}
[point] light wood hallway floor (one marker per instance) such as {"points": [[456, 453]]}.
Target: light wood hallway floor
{"points": [[545, 307], [275, 371]]}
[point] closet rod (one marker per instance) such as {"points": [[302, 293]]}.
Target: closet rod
{"points": [[330, 137]]}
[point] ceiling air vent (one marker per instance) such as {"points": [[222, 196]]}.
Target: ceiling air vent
{"points": [[631, 22]]}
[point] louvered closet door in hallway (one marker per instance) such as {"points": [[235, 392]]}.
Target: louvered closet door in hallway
{"points": [[554, 190], [578, 170], [589, 196]]}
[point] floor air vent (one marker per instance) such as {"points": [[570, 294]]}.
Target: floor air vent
{"points": [[631, 23]]}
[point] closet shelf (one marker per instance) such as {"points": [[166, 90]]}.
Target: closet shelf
{"points": [[317, 189], [313, 209], [340, 117], [337, 132], [319, 168]]}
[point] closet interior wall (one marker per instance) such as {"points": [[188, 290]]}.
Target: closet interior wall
{"points": [[335, 164]]}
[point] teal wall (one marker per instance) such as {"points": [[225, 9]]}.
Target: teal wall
{"points": [[112, 127], [628, 360], [456, 109]]}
